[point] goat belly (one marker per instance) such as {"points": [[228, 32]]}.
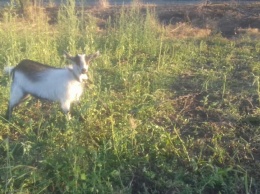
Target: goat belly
{"points": [[46, 92], [75, 90], [44, 87]]}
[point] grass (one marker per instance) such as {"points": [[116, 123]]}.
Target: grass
{"points": [[164, 114]]}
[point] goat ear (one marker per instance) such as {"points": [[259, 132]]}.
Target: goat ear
{"points": [[92, 56], [67, 55]]}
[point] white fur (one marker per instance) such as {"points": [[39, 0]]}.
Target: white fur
{"points": [[55, 85], [64, 85], [8, 69]]}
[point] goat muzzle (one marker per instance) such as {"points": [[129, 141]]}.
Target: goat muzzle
{"points": [[84, 71]]}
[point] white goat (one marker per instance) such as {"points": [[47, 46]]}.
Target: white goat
{"points": [[45, 82]]}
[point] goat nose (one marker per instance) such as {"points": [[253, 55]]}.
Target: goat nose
{"points": [[83, 71]]}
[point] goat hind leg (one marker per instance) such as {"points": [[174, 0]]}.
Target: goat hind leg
{"points": [[16, 96]]}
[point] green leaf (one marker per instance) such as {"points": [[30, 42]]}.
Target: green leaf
{"points": [[83, 176]]}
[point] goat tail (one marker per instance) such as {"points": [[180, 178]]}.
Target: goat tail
{"points": [[8, 70]]}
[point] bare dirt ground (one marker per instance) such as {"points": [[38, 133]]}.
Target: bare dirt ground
{"points": [[227, 19]]}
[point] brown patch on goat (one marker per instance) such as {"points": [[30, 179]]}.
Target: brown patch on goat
{"points": [[32, 68]]}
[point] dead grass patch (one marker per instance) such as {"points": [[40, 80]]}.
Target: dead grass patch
{"points": [[184, 30], [253, 33], [103, 4]]}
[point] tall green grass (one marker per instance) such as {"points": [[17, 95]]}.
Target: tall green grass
{"points": [[163, 115]]}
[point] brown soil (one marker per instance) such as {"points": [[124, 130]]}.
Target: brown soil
{"points": [[224, 18], [228, 19]]}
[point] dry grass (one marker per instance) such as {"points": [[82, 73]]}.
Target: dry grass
{"points": [[251, 32], [103, 4], [184, 30], [34, 13]]}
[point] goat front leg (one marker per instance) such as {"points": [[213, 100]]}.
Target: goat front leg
{"points": [[65, 105]]}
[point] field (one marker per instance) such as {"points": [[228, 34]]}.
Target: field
{"points": [[173, 106]]}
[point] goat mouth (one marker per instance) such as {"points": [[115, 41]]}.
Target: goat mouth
{"points": [[84, 74]]}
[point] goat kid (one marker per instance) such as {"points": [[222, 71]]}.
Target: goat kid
{"points": [[64, 85]]}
